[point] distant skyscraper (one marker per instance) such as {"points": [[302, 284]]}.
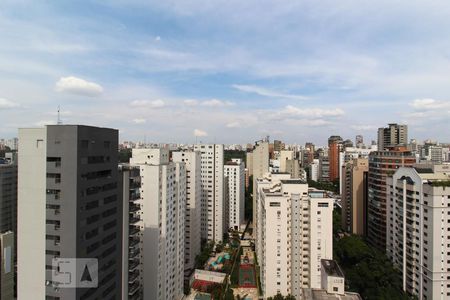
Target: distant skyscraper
{"points": [[68, 207], [381, 165], [359, 141], [418, 226], [335, 145], [278, 145], [354, 195], [213, 219], [235, 175], [392, 136]]}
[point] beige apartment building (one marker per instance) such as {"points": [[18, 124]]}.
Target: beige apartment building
{"points": [[354, 195]]}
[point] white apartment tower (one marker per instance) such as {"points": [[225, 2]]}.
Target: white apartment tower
{"points": [[235, 174], [213, 199], [294, 234], [162, 212], [418, 229], [192, 237]]}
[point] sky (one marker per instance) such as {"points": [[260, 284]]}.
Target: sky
{"points": [[227, 71]]}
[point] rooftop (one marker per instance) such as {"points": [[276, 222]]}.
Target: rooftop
{"points": [[316, 294], [293, 181], [332, 268]]}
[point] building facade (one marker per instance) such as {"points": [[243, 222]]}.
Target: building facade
{"points": [[335, 146], [163, 202], [235, 175], [260, 163], [132, 232], [213, 199], [354, 196], [418, 221], [394, 135], [192, 238], [7, 265], [381, 165], [68, 207], [294, 234]]}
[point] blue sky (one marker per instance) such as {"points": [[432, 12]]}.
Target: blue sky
{"points": [[227, 71]]}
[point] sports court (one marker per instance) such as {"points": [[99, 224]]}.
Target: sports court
{"points": [[247, 277]]}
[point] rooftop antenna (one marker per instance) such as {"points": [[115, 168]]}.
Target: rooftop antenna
{"points": [[59, 122]]}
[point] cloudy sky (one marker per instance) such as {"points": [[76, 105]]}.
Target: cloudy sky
{"points": [[229, 71]]}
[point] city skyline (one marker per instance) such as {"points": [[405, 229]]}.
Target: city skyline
{"points": [[170, 72]]}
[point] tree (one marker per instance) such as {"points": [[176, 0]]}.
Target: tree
{"points": [[229, 294], [368, 271]]}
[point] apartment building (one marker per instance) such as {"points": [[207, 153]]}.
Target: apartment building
{"points": [[354, 195], [314, 170], [381, 165], [161, 213], [68, 207], [213, 199], [192, 235], [335, 145], [418, 229], [8, 197], [260, 163], [7, 265], [394, 135], [132, 229], [234, 171], [294, 234], [285, 155]]}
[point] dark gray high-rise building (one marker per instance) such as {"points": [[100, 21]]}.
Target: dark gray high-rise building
{"points": [[8, 197], [394, 135], [8, 227], [69, 207]]}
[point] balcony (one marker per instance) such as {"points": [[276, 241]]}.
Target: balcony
{"points": [[133, 253], [133, 230], [133, 288], [133, 276], [135, 196], [134, 208], [133, 243], [133, 266], [133, 220]]}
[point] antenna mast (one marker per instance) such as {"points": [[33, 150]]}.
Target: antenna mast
{"points": [[59, 122]]}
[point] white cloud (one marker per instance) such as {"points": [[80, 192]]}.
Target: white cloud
{"points": [[45, 122], [199, 132], [217, 103], [191, 102], [364, 127], [6, 104], [267, 92], [78, 86], [148, 103], [292, 111], [233, 125], [429, 104], [139, 121], [158, 38]]}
